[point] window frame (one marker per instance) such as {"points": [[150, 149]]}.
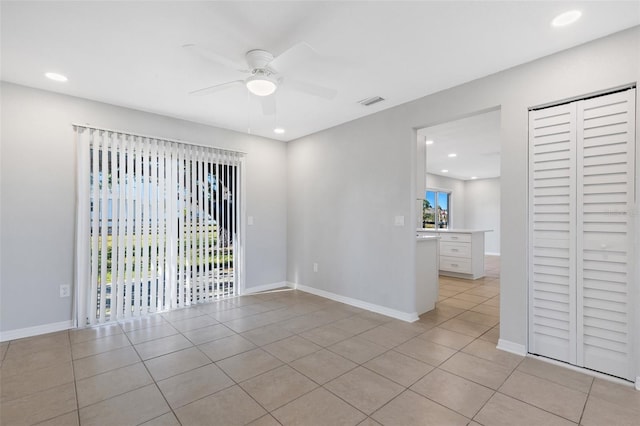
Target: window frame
{"points": [[437, 192]]}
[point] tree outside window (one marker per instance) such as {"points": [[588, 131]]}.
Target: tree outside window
{"points": [[435, 210]]}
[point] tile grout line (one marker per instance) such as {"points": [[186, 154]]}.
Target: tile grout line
{"points": [[584, 407], [154, 383]]}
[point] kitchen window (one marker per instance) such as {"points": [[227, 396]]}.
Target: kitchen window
{"points": [[436, 209]]}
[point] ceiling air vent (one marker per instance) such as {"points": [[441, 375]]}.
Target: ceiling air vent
{"points": [[371, 101]]}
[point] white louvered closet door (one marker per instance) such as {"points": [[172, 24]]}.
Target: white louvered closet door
{"points": [[552, 271], [605, 177], [581, 234]]}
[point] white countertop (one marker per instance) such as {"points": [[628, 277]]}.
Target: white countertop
{"points": [[454, 231], [426, 237]]}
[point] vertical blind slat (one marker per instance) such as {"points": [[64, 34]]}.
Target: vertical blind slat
{"points": [[113, 172], [145, 249], [226, 222], [173, 239], [129, 231], [236, 241], [201, 224], [95, 217], [104, 217], [161, 227], [153, 199], [121, 229], [185, 218], [209, 224], [218, 167], [138, 227], [193, 247]]}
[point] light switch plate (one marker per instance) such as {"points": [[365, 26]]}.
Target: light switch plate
{"points": [[65, 290], [398, 221], [249, 220]]}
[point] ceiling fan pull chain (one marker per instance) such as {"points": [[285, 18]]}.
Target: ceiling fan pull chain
{"points": [[248, 112]]}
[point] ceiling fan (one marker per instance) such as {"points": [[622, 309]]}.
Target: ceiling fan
{"points": [[267, 73]]}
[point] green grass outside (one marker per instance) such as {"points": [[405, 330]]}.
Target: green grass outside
{"points": [[217, 258]]}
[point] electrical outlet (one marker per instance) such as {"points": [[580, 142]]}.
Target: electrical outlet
{"points": [[65, 290], [315, 267]]}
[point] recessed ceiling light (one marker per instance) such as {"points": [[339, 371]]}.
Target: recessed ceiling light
{"points": [[445, 171], [474, 177], [566, 18], [278, 130], [55, 76], [429, 142], [452, 155]]}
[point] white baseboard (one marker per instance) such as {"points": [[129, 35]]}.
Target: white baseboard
{"points": [[265, 287], [490, 253], [404, 316], [638, 383], [34, 331], [514, 348]]}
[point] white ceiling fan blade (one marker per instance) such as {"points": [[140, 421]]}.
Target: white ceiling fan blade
{"points": [[311, 88], [299, 53], [214, 57], [268, 104], [216, 88]]}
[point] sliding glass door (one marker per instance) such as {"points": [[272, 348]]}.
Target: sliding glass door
{"points": [[158, 225]]}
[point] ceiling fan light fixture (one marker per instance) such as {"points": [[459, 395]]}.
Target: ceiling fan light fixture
{"points": [[261, 85]]}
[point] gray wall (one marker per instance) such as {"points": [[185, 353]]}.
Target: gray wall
{"points": [[482, 210], [347, 183], [37, 199]]}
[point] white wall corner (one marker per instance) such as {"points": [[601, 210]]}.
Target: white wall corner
{"points": [[383, 310], [265, 287], [35, 331], [514, 348]]}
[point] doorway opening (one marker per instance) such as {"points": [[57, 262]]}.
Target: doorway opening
{"points": [[459, 199]]}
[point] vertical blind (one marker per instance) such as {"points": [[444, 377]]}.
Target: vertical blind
{"points": [[159, 225]]}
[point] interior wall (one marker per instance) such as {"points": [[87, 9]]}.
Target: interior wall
{"points": [[458, 195], [345, 189], [37, 196], [482, 210], [346, 183]]}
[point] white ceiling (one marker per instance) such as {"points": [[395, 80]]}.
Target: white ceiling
{"points": [[130, 54], [476, 142]]}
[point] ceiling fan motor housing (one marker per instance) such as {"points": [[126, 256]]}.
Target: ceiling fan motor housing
{"points": [[258, 59]]}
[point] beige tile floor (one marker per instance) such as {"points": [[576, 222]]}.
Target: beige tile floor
{"points": [[292, 358]]}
